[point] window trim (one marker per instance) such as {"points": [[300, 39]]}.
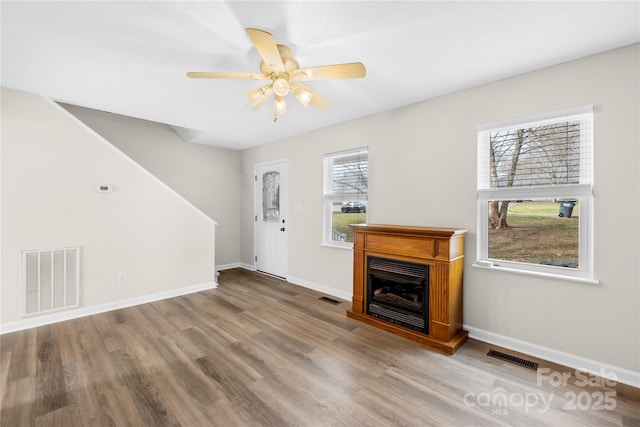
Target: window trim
{"points": [[582, 192], [329, 197]]}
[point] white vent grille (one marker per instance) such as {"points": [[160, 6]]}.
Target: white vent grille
{"points": [[50, 280]]}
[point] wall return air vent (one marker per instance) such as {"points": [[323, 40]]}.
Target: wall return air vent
{"points": [[50, 280]]}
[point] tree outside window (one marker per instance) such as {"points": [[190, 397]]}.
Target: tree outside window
{"points": [[534, 195]]}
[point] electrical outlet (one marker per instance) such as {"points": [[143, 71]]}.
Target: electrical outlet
{"points": [[122, 278]]}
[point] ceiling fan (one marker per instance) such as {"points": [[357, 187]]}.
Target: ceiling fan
{"points": [[285, 75]]}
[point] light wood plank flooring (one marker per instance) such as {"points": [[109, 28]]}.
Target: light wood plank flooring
{"points": [[258, 351]]}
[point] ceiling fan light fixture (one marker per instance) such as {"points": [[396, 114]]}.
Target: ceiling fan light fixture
{"points": [[257, 96], [279, 106], [303, 95], [278, 65]]}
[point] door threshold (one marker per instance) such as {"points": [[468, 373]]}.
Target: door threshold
{"points": [[272, 275]]}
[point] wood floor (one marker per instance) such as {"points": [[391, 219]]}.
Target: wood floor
{"points": [[258, 351]]}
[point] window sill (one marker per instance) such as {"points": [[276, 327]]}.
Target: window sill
{"points": [[329, 245], [536, 273]]}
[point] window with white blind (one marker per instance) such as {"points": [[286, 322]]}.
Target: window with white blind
{"points": [[535, 199], [346, 180]]}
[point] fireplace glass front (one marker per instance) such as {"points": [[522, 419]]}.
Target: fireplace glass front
{"points": [[398, 292]]}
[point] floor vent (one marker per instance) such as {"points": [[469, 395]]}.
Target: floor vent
{"points": [[513, 359], [329, 300], [50, 280]]}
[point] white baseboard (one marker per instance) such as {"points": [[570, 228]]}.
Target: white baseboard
{"points": [[235, 265], [622, 375], [320, 288], [298, 281], [248, 266], [61, 316]]}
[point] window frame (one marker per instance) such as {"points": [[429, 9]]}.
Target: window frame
{"points": [[329, 197], [582, 192]]}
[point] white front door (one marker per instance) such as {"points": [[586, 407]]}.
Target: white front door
{"points": [[271, 248]]}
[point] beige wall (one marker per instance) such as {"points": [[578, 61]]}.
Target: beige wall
{"points": [[51, 165], [206, 176], [422, 165]]}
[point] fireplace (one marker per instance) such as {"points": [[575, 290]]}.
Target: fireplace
{"points": [[408, 280], [398, 292]]}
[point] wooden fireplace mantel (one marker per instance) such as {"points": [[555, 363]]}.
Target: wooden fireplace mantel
{"points": [[442, 249]]}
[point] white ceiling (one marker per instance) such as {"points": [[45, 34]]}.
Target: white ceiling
{"points": [[131, 57]]}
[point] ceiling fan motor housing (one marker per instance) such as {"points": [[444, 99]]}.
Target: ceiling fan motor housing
{"points": [[281, 86]]}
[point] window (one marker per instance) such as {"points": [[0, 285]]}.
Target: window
{"points": [[535, 195], [346, 179]]}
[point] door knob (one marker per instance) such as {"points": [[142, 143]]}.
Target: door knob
{"points": [[282, 229]]}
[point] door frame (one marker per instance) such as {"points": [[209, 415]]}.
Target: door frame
{"points": [[284, 210]]}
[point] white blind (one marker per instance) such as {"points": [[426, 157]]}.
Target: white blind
{"points": [[534, 156], [347, 174]]}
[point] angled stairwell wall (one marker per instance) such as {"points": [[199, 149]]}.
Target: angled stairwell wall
{"points": [[208, 177], [140, 242]]}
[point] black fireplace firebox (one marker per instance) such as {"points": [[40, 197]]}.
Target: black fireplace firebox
{"points": [[398, 292]]}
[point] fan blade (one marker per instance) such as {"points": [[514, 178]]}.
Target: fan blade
{"points": [[222, 75], [352, 70], [317, 100], [267, 48]]}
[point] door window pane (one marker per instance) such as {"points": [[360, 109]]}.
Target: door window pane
{"points": [[271, 196]]}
